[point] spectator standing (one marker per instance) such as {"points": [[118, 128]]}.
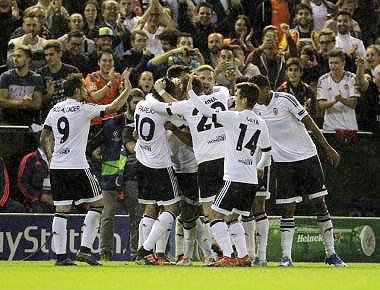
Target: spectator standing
{"points": [[31, 38], [337, 95], [91, 20], [154, 21], [214, 45], [76, 24], [321, 10], [304, 94], [347, 6], [21, 90], [8, 24], [53, 74], [73, 55], [352, 46]]}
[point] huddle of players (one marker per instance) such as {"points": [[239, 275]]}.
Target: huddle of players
{"points": [[224, 166]]}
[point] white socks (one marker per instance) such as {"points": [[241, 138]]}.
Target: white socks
{"points": [[326, 227], [162, 242], [189, 236], [161, 226], [220, 232], [238, 238], [262, 229], [248, 224], [90, 228], [59, 233], [179, 247], [145, 226], [203, 237], [287, 232]]}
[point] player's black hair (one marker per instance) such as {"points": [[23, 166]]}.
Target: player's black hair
{"points": [[170, 88], [260, 80], [249, 91]]}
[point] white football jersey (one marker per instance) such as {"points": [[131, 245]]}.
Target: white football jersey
{"points": [[245, 133], [70, 123], [289, 138], [182, 154], [208, 136], [152, 147], [338, 116]]}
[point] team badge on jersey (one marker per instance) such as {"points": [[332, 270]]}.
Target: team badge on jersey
{"points": [[346, 87], [275, 111]]}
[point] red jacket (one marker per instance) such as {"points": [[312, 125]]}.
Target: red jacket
{"points": [[4, 184]]}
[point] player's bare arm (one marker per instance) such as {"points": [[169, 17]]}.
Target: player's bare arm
{"points": [[120, 100], [332, 155], [47, 142], [160, 86]]}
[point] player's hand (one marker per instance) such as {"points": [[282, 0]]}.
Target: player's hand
{"points": [[359, 61], [333, 157], [285, 28], [338, 98], [168, 125], [260, 172], [160, 85]]}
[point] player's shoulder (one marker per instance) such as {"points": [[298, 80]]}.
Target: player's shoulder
{"points": [[285, 98], [349, 75], [324, 77], [221, 90]]}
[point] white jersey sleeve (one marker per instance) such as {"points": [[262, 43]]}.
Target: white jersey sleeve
{"points": [[294, 106]]}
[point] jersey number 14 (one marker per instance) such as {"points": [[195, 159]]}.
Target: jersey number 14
{"points": [[251, 144]]}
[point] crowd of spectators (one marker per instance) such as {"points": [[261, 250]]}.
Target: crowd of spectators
{"points": [[325, 53]]}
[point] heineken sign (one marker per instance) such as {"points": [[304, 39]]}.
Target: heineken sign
{"points": [[355, 239]]}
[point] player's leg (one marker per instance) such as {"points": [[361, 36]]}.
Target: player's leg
{"points": [[189, 217], [89, 192], [147, 221], [248, 224], [59, 230], [287, 177], [316, 190], [237, 236], [287, 228], [327, 231], [167, 196], [262, 229], [63, 202], [107, 223], [261, 218]]}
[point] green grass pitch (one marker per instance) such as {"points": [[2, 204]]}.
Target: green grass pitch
{"points": [[119, 275]]}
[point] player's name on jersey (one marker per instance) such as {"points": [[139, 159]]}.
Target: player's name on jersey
{"points": [[254, 121], [71, 109], [146, 110], [211, 100]]}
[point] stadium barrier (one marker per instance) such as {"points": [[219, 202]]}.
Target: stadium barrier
{"points": [[21, 235]]}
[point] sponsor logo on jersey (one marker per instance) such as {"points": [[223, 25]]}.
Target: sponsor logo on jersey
{"points": [[246, 161], [64, 151], [146, 147], [219, 138]]}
